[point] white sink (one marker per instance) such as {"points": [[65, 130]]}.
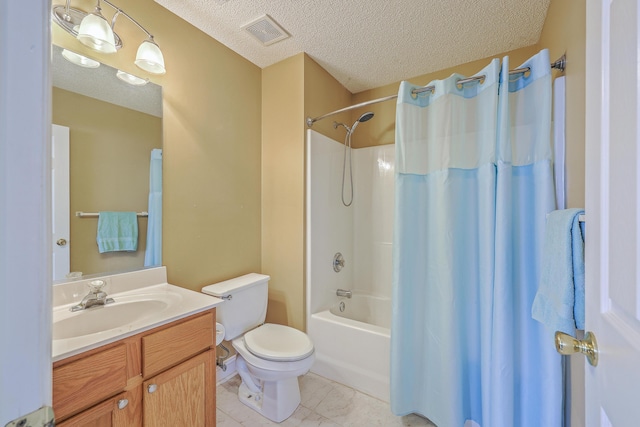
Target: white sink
{"points": [[104, 318]]}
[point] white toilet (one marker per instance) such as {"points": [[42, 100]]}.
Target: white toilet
{"points": [[270, 357]]}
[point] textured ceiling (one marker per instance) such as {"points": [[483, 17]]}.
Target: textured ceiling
{"points": [[370, 43]]}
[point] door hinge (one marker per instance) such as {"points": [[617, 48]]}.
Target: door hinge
{"points": [[43, 417]]}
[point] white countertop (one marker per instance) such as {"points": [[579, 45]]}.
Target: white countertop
{"points": [[143, 296]]}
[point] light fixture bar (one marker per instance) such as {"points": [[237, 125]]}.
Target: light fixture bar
{"points": [[120, 11]]}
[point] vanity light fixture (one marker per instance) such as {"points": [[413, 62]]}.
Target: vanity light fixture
{"points": [[93, 30], [80, 60]]}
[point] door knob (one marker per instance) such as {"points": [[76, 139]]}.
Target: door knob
{"points": [[566, 344], [61, 242], [151, 388]]}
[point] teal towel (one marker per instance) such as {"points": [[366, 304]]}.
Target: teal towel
{"points": [[117, 231], [559, 302]]}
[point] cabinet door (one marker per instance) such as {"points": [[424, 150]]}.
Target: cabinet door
{"points": [[183, 395], [104, 414]]}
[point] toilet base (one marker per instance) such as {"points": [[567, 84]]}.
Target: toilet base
{"points": [[277, 400]]}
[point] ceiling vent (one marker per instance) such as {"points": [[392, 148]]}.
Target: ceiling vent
{"points": [[266, 30]]}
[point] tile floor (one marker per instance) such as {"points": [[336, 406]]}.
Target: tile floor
{"points": [[324, 403]]}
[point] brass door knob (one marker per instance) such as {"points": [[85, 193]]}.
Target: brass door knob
{"points": [[61, 242], [566, 345]]}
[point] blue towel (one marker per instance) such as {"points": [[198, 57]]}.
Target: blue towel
{"points": [[117, 231], [559, 302]]}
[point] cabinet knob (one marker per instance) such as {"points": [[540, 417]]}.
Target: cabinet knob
{"points": [[152, 387], [122, 403]]}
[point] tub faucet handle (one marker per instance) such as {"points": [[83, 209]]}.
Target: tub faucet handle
{"points": [[338, 262]]}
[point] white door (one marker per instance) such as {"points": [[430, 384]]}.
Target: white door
{"points": [[25, 220], [60, 201], [613, 213]]}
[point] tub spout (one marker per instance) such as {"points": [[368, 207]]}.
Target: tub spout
{"points": [[343, 293]]}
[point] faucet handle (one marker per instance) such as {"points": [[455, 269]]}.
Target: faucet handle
{"points": [[96, 285]]}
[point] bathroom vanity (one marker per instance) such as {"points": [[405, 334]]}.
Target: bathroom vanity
{"points": [[154, 366]]}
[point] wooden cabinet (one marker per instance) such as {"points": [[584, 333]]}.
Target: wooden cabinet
{"points": [[161, 377]]}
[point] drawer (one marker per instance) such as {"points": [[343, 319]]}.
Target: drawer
{"points": [[174, 344], [87, 381]]}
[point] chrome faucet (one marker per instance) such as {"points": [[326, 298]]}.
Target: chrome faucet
{"points": [[95, 297], [343, 293]]}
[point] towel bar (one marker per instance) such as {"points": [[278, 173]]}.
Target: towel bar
{"points": [[96, 214], [581, 218]]}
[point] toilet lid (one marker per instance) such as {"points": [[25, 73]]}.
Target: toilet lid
{"points": [[278, 343]]}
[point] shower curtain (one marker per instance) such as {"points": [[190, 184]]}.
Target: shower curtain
{"points": [[474, 183], [153, 252]]}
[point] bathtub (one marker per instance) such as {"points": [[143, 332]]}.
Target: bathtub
{"points": [[352, 345]]}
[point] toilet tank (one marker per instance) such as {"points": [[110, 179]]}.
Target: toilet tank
{"points": [[247, 306]]}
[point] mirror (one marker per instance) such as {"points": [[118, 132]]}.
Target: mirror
{"points": [[113, 126]]}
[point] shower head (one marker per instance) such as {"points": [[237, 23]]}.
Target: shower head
{"points": [[366, 116], [363, 118]]}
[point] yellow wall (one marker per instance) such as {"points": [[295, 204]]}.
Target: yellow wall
{"points": [[283, 189], [322, 94], [291, 90], [565, 31], [212, 137], [109, 152]]}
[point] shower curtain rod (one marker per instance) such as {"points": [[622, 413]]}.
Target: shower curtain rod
{"points": [[559, 64]]}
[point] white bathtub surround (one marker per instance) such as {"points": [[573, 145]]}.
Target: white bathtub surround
{"points": [[324, 403], [352, 346]]}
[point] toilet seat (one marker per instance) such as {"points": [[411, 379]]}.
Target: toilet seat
{"points": [[278, 343]]}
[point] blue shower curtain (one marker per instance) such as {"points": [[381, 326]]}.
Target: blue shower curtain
{"points": [[473, 185], [153, 252]]}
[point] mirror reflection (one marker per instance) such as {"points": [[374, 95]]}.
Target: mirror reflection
{"points": [[113, 128]]}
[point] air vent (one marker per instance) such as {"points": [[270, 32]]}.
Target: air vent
{"points": [[266, 30]]}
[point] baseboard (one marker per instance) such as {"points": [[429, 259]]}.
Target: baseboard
{"points": [[223, 376]]}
